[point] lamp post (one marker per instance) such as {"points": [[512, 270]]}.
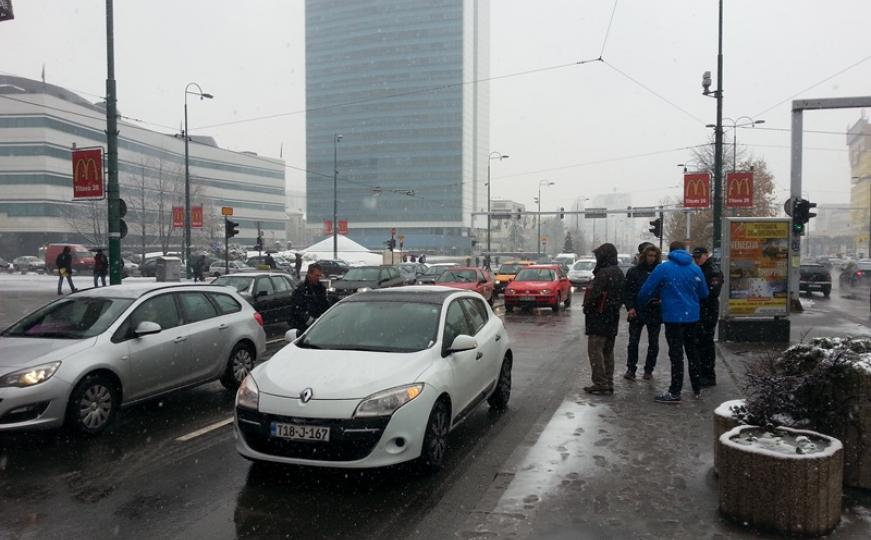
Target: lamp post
{"points": [[187, 176], [493, 155], [735, 125], [336, 138], [541, 183]]}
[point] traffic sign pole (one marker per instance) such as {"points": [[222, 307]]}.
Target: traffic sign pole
{"points": [[112, 188]]}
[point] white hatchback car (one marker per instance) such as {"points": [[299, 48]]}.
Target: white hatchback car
{"points": [[381, 378]]}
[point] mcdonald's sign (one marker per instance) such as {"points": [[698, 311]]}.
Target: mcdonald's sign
{"points": [[197, 217], [178, 217], [343, 226], [739, 190], [87, 174], [328, 226], [697, 190]]}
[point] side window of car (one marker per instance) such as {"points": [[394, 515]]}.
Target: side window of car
{"points": [[394, 273], [455, 323], [196, 307], [477, 314], [226, 303], [159, 309], [264, 284], [281, 284]]}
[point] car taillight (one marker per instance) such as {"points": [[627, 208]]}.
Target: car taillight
{"points": [[258, 317], [859, 273]]}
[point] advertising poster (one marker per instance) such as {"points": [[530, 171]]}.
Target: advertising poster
{"points": [[87, 174], [758, 266], [697, 190]]}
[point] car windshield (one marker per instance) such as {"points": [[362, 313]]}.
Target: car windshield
{"points": [[584, 265], [509, 268], [435, 270], [535, 274], [362, 274], [375, 326], [240, 283], [462, 276], [70, 318]]}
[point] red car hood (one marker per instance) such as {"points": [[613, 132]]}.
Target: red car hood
{"points": [[465, 285], [532, 285]]}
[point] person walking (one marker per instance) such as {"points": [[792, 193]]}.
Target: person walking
{"points": [[309, 300], [297, 263], [101, 267], [708, 316], [602, 301], [200, 268], [64, 265], [270, 261], [642, 316], [680, 286]]}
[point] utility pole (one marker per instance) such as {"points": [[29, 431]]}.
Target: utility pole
{"points": [[112, 189], [718, 144], [336, 138]]}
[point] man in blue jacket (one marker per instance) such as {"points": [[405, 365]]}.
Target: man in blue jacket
{"points": [[680, 285]]}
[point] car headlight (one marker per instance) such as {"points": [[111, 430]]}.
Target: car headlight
{"points": [[248, 395], [497, 282], [331, 289], [545, 291], [386, 402], [363, 289], [30, 376], [509, 291]]}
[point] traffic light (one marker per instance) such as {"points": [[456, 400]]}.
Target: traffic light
{"points": [[391, 244], [517, 216], [258, 244], [656, 227], [801, 214], [231, 228], [562, 213]]}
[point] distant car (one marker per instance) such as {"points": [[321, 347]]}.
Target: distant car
{"points": [[469, 279], [28, 263], [410, 271], [567, 259], [815, 278], [333, 269], [505, 274], [268, 292], [130, 268], [6, 266], [258, 261], [148, 268], [79, 359], [82, 257], [581, 273], [362, 279], [855, 274], [539, 286], [432, 273], [220, 268]]}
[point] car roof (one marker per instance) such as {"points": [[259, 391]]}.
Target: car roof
{"points": [[420, 294], [253, 274], [545, 267], [135, 290]]}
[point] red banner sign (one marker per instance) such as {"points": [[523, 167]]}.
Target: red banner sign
{"points": [[343, 226], [196, 217], [178, 217], [697, 190], [87, 174], [328, 226], [739, 190]]}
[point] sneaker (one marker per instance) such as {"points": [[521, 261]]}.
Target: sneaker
{"points": [[629, 375], [697, 395], [666, 397], [648, 375]]}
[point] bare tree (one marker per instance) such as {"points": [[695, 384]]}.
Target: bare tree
{"points": [[150, 193], [89, 220]]}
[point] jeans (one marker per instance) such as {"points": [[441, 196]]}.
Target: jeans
{"points": [[99, 275], [682, 337], [636, 325], [60, 282], [600, 350], [707, 351]]}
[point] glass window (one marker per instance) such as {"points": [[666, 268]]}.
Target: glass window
{"points": [[535, 274], [226, 303], [159, 309], [281, 283], [264, 284], [478, 315], [363, 274], [70, 318], [240, 283], [196, 307], [455, 323], [458, 276]]}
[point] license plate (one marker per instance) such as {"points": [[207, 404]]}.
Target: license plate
{"points": [[527, 298], [300, 432]]}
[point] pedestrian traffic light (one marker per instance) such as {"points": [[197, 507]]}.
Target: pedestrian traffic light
{"points": [[231, 228], [562, 212], [656, 227]]}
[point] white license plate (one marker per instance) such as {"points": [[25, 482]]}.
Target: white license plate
{"points": [[300, 432], [527, 298]]}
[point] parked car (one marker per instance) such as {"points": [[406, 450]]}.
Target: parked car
{"points": [[332, 269], [815, 277], [220, 268], [567, 259], [410, 271], [433, 272], [77, 360], [540, 285], [381, 378], [362, 279], [581, 273], [268, 292], [505, 275], [6, 266], [28, 263], [83, 258], [281, 264], [470, 279], [148, 268], [130, 268]]}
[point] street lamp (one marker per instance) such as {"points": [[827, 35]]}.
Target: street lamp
{"points": [[541, 183], [336, 138], [493, 155], [735, 125], [187, 176]]}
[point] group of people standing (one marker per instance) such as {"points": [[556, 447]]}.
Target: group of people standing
{"points": [[64, 264], [682, 293]]}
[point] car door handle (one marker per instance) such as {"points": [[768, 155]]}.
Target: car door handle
{"points": [[179, 339], [479, 356], [223, 326], [498, 337]]}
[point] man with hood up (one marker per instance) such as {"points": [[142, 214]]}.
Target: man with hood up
{"points": [[602, 301], [642, 316], [680, 286]]}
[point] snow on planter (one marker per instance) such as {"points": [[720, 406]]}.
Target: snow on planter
{"points": [[726, 417], [784, 479]]}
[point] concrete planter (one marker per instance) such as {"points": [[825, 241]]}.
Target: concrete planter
{"points": [[724, 421], [797, 494], [855, 431]]}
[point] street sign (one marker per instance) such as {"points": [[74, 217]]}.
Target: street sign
{"points": [[787, 207], [122, 208], [739, 190], [343, 226], [87, 174], [226, 210], [196, 217], [178, 217], [697, 190], [642, 211], [596, 213], [123, 228]]}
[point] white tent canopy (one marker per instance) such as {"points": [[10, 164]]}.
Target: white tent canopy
{"points": [[349, 251]]}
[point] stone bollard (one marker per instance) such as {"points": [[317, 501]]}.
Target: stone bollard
{"points": [[779, 489], [724, 421]]}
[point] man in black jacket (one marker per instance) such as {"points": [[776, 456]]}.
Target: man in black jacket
{"points": [[602, 301], [309, 300], [708, 317], [640, 317], [64, 265]]}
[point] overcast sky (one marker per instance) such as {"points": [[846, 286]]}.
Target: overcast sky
{"points": [[578, 126]]}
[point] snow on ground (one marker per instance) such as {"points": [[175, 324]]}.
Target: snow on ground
{"points": [[42, 282]]}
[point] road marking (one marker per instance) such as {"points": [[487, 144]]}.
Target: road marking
{"points": [[203, 431]]}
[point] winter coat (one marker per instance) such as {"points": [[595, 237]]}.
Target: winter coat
{"points": [[680, 285], [64, 261], [307, 303], [101, 263], [635, 279], [604, 296], [710, 307]]}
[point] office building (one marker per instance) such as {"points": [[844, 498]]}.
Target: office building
{"points": [[859, 142]]}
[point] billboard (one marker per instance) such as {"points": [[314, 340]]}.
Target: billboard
{"points": [[757, 267], [178, 217], [87, 174], [739, 190], [197, 217], [697, 190]]}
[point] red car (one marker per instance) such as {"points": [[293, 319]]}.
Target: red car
{"points": [[470, 279], [540, 285]]}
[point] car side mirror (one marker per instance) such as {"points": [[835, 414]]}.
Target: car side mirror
{"points": [[146, 328], [463, 343], [291, 335]]}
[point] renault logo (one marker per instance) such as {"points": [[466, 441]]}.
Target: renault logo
{"points": [[306, 395]]}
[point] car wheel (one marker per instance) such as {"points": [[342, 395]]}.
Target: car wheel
{"points": [[509, 308], [498, 400], [239, 365], [93, 404], [827, 291], [435, 441], [555, 306]]}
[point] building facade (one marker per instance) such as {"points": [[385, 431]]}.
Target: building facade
{"points": [[859, 142], [397, 79], [509, 230], [40, 124]]}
